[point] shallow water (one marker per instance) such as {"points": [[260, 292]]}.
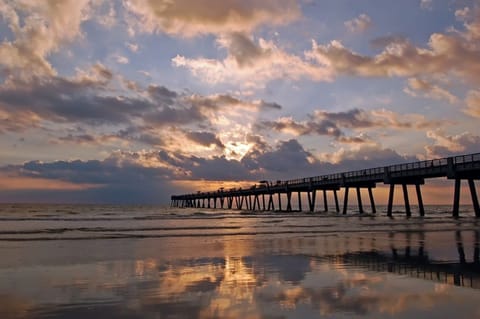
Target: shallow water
{"points": [[73, 261]]}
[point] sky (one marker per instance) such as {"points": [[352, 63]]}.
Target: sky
{"points": [[131, 101]]}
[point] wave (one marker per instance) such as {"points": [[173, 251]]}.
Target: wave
{"points": [[104, 229], [303, 233]]}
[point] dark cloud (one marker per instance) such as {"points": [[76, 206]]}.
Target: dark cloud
{"points": [[78, 139], [271, 105], [205, 138], [333, 124], [109, 171], [354, 118], [162, 94], [214, 168], [90, 99], [288, 156], [168, 116], [225, 101], [65, 100], [244, 50]]}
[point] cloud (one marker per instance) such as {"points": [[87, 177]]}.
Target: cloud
{"points": [[121, 59], [246, 60], [359, 24], [453, 53], [107, 15], [39, 29], [91, 98], [206, 139], [426, 89], [382, 42], [426, 4], [289, 156], [473, 104], [132, 46], [121, 178], [363, 156], [69, 100], [445, 145], [217, 101], [188, 18], [333, 123]]}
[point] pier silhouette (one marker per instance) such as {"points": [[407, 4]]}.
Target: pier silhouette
{"points": [[261, 196]]}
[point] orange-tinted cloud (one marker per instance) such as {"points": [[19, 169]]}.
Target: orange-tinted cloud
{"points": [[359, 24], [251, 63], [473, 104], [189, 18], [420, 87]]}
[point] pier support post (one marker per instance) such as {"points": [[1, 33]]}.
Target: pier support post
{"points": [[257, 198], [390, 200], [473, 192], [345, 200], [325, 203], [263, 202], [279, 202], [407, 203], [476, 249], [456, 198], [372, 201], [420, 201], [359, 199], [311, 199], [300, 201], [270, 203], [209, 202], [289, 201], [337, 208], [461, 251]]}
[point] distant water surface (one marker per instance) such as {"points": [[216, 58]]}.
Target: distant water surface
{"points": [[74, 261]]}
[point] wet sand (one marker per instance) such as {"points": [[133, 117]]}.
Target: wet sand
{"points": [[417, 268]]}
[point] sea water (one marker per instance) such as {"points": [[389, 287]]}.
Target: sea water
{"points": [[74, 261]]}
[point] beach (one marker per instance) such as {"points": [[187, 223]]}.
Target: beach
{"points": [[74, 261]]}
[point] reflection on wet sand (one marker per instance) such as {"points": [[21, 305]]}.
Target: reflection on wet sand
{"points": [[395, 274]]}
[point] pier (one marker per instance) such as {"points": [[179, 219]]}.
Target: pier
{"points": [[264, 195]]}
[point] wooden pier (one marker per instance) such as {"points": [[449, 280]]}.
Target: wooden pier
{"points": [[261, 196]]}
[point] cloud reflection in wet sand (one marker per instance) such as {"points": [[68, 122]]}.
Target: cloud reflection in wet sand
{"points": [[246, 279]]}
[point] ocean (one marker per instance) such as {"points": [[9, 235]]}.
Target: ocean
{"points": [[75, 261]]}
